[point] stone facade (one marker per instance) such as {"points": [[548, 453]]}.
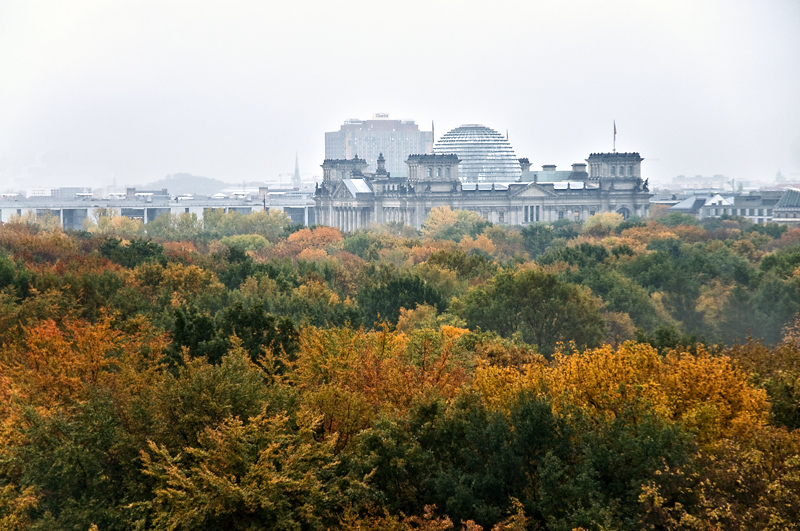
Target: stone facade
{"points": [[350, 199], [617, 165]]}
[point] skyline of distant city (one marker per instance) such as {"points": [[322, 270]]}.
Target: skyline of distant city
{"points": [[315, 175]]}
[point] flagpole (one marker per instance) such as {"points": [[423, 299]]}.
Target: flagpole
{"points": [[615, 136]]}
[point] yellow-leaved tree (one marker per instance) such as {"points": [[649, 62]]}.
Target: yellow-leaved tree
{"points": [[348, 376], [111, 223], [444, 223], [707, 394]]}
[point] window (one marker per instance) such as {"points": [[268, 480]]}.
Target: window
{"points": [[630, 170], [430, 172], [591, 212], [501, 217], [537, 213], [186, 210], [613, 170], [526, 214], [560, 214], [438, 172], [447, 172]]}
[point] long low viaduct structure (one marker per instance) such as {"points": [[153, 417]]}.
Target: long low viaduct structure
{"points": [[147, 206]]}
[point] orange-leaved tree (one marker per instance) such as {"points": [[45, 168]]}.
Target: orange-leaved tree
{"points": [[349, 375], [58, 364]]}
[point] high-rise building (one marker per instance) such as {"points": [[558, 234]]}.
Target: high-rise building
{"points": [[367, 139]]}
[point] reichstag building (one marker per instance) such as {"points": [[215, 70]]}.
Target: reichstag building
{"points": [[474, 168]]}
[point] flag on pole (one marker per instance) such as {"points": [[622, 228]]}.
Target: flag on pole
{"points": [[615, 136]]}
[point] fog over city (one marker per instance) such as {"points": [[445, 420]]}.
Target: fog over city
{"points": [[97, 91]]}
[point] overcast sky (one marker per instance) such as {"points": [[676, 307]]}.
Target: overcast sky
{"points": [[136, 90]]}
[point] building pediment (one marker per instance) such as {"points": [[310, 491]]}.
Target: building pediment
{"points": [[341, 192], [351, 189], [533, 190]]}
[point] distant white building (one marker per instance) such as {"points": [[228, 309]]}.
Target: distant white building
{"points": [[755, 206], [40, 191], [63, 191]]}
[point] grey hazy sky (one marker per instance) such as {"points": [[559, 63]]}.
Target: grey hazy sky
{"points": [[90, 90]]}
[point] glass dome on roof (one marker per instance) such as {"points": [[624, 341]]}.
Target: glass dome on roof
{"points": [[485, 154]]}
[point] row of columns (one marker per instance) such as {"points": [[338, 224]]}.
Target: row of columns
{"points": [[348, 219], [398, 214]]}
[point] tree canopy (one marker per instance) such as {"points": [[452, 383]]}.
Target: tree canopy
{"points": [[243, 372]]}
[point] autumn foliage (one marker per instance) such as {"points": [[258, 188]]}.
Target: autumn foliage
{"points": [[241, 372]]}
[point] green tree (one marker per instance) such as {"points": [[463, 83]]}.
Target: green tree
{"points": [[138, 251], [382, 302], [673, 219], [584, 255], [175, 227], [365, 244], [467, 266], [543, 308], [257, 330], [537, 237], [619, 293], [468, 460]]}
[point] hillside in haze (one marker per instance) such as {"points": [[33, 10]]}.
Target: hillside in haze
{"points": [[186, 183]]}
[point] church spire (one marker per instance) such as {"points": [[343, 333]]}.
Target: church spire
{"points": [[296, 179]]}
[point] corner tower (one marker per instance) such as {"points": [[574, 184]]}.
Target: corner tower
{"points": [[614, 165], [334, 170], [433, 168]]}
